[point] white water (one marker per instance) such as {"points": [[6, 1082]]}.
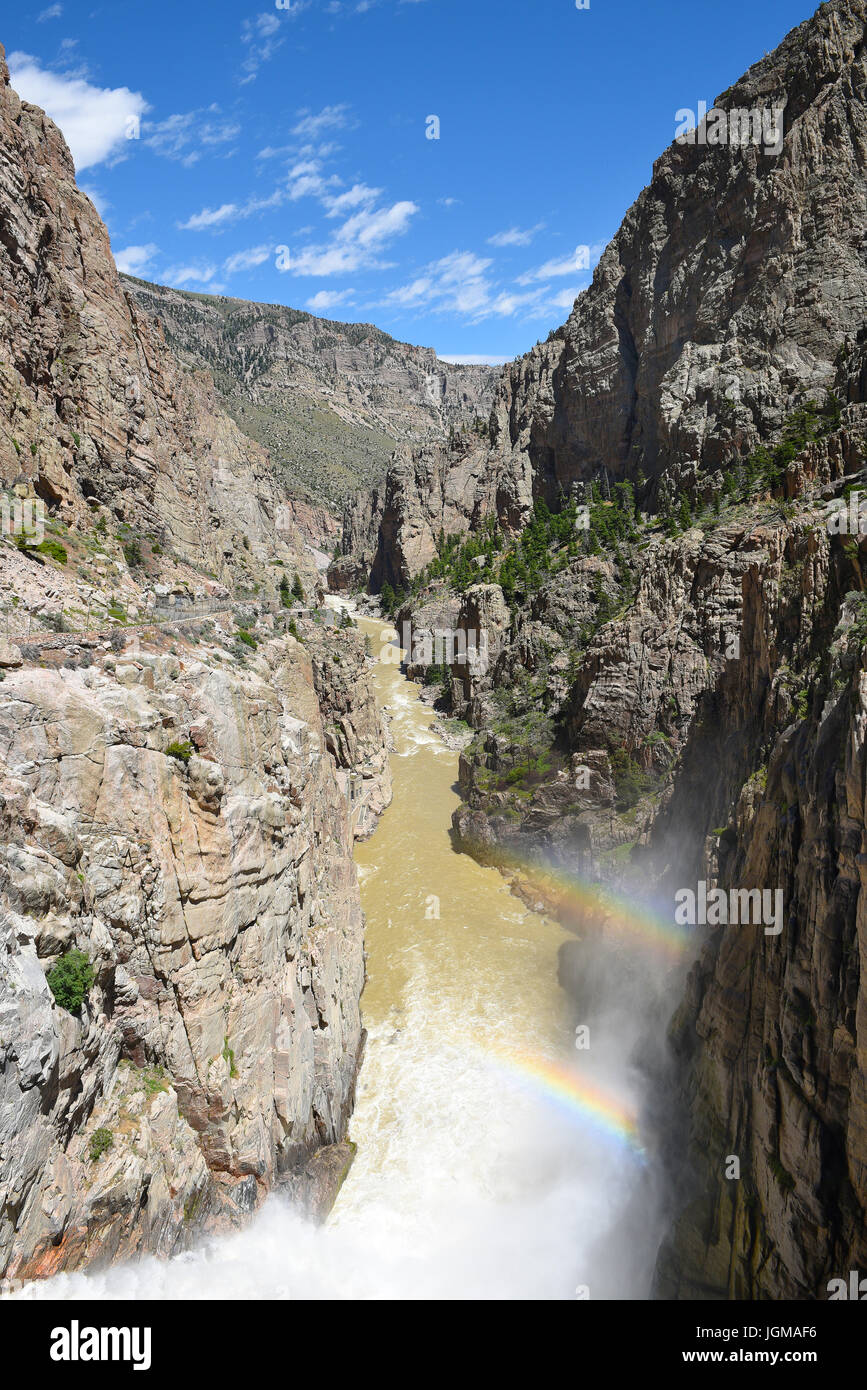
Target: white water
{"points": [[469, 1182]]}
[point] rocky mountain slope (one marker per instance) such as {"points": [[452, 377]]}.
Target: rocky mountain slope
{"points": [[96, 413], [676, 647], [330, 401], [722, 301], [181, 954]]}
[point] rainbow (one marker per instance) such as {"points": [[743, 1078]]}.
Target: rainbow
{"points": [[568, 894], [580, 1099]]}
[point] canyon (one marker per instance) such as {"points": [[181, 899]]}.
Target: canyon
{"points": [[330, 401], [675, 686], [175, 789], [673, 698]]}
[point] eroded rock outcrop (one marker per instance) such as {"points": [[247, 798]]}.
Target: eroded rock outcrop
{"points": [[724, 298], [96, 411], [181, 824], [174, 828]]}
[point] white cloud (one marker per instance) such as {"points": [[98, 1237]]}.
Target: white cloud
{"points": [[356, 244], [416, 292], [356, 196], [329, 118], [460, 284], [371, 227], [273, 151], [504, 305], [515, 236], [247, 260], [179, 275], [456, 282], [579, 260], [462, 266], [95, 120], [306, 180], [185, 135], [565, 298], [209, 217], [134, 259], [328, 260], [260, 37], [328, 299], [229, 212], [53, 12]]}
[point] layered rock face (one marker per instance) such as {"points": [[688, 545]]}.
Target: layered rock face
{"points": [[174, 816], [218, 905], [330, 400], [390, 535], [679, 698], [96, 410], [727, 291], [771, 1034], [731, 692], [724, 297], [355, 732]]}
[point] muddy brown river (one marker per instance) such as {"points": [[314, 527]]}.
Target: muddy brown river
{"points": [[490, 1163]]}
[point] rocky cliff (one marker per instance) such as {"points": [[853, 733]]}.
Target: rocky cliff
{"points": [[676, 647], [96, 412], [330, 401], [722, 301], [181, 954]]}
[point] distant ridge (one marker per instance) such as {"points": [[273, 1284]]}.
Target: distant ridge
{"points": [[330, 400]]}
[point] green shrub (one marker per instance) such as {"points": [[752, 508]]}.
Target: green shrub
{"points": [[55, 550], [630, 781], [182, 751], [782, 1175], [69, 979], [155, 1080], [100, 1141], [132, 554], [229, 1056], [247, 638]]}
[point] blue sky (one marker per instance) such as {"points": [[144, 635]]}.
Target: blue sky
{"points": [[280, 152]]}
